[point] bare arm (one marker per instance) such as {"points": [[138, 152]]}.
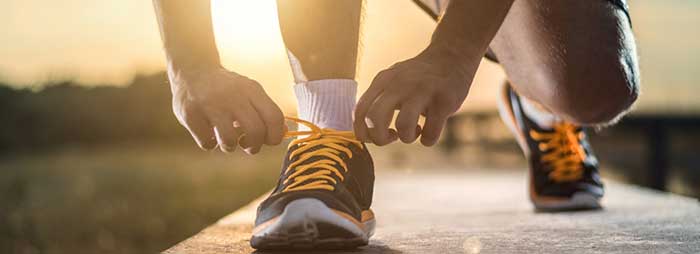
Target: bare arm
{"points": [[466, 30], [217, 106], [434, 83], [186, 30]]}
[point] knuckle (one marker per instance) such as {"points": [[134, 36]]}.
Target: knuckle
{"points": [[382, 78], [443, 109], [256, 86], [385, 72]]}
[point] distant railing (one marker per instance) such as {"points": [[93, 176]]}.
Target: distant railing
{"points": [[658, 142]]}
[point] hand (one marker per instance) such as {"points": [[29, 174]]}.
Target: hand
{"points": [[224, 108], [431, 84]]}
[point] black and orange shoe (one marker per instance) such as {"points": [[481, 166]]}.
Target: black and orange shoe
{"points": [[563, 170], [323, 197]]}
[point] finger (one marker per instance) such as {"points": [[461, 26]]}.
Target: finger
{"points": [[407, 120], [253, 128], [379, 116], [434, 123], [200, 129], [226, 135], [272, 118], [366, 100]]}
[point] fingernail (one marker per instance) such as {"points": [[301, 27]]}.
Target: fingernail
{"points": [[243, 141], [251, 150]]}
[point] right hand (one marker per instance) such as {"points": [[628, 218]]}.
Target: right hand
{"points": [[222, 107]]}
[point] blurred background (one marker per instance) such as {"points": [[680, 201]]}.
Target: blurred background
{"points": [[92, 159]]}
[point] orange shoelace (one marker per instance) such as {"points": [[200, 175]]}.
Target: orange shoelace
{"points": [[332, 144], [562, 151]]}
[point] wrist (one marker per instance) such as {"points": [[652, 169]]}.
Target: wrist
{"points": [[184, 74], [187, 70], [450, 57], [185, 64]]}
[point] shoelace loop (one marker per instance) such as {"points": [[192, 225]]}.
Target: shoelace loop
{"points": [[333, 143], [562, 151]]}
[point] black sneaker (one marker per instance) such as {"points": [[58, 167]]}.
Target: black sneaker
{"points": [[323, 196], [563, 170]]}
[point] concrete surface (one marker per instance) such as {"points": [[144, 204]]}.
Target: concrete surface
{"points": [[488, 212]]}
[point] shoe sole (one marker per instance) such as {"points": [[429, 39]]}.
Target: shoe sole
{"points": [[309, 224], [578, 201]]}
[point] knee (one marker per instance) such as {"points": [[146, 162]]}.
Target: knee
{"points": [[596, 94]]}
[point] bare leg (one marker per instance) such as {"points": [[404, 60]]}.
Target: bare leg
{"points": [[576, 58], [322, 40], [323, 35]]}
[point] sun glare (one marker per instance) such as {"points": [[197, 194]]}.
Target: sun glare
{"points": [[247, 30]]}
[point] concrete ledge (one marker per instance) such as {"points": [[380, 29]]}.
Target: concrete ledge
{"points": [[488, 212]]}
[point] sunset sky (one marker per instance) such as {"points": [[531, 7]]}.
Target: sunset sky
{"points": [[107, 42]]}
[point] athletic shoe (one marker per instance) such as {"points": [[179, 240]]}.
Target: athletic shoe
{"points": [[563, 169], [323, 196]]}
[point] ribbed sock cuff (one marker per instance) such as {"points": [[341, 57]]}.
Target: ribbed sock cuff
{"points": [[328, 103]]}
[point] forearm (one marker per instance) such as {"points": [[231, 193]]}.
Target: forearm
{"points": [[466, 29], [187, 33]]}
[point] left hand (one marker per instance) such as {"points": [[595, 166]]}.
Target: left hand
{"points": [[431, 84]]}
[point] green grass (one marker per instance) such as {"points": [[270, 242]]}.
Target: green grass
{"points": [[127, 198]]}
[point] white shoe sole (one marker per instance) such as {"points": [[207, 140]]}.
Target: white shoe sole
{"points": [[578, 201], [309, 224]]}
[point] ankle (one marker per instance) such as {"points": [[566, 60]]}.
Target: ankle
{"points": [[327, 103]]}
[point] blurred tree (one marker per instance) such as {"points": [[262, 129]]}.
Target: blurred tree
{"points": [[65, 113]]}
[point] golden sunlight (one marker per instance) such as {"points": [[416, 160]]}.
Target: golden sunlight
{"points": [[247, 30], [106, 43]]}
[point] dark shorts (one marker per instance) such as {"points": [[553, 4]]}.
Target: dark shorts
{"points": [[435, 7]]}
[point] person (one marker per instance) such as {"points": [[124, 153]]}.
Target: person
{"points": [[570, 64]]}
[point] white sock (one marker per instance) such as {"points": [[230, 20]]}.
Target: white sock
{"points": [[543, 118], [327, 103]]}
